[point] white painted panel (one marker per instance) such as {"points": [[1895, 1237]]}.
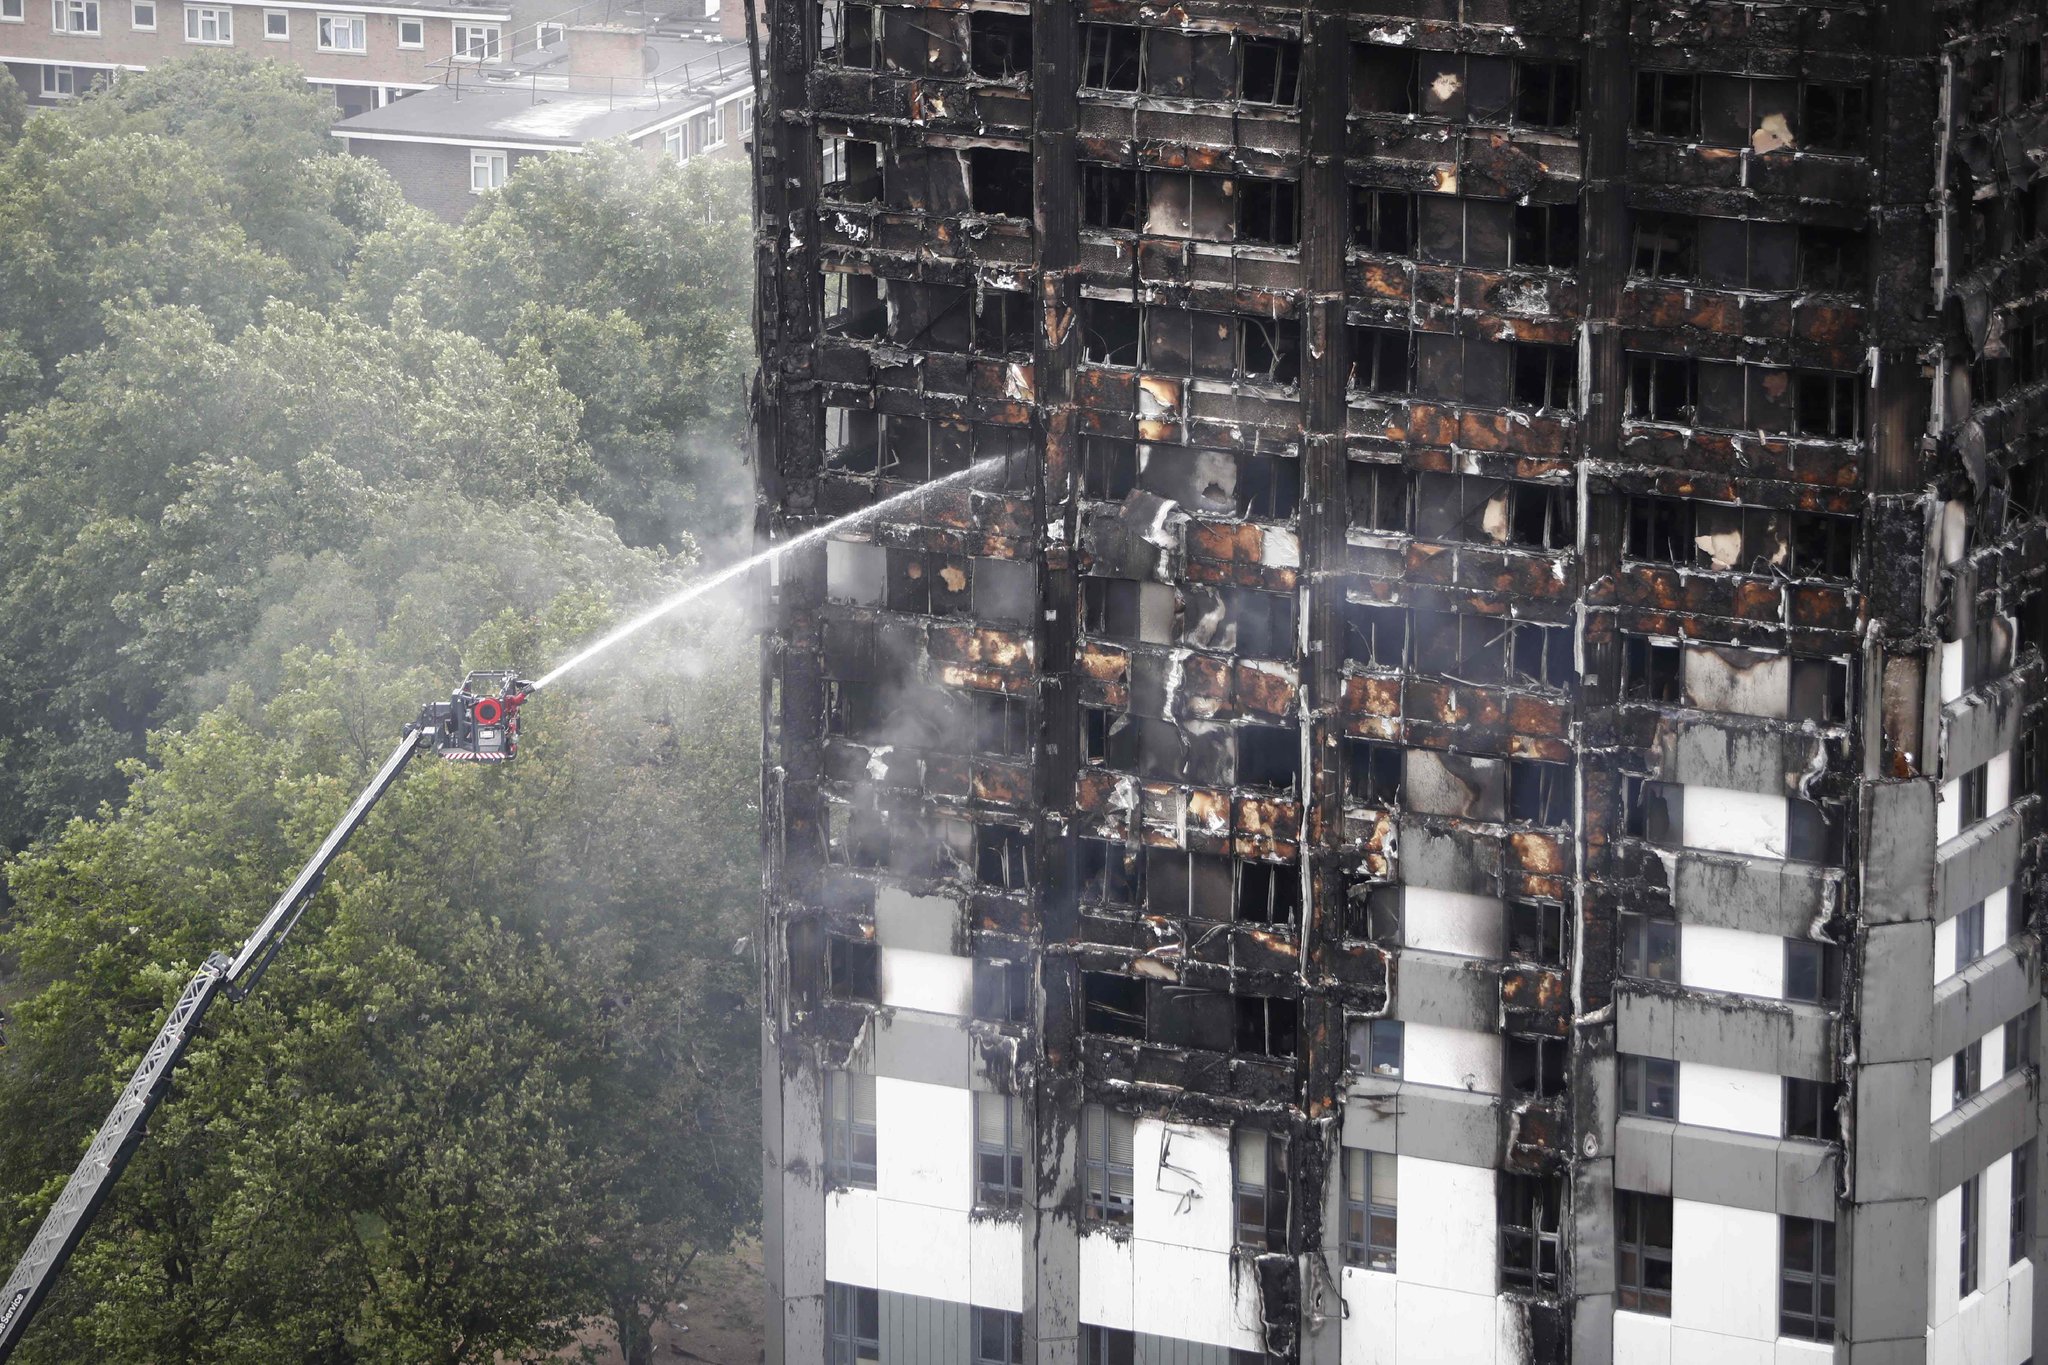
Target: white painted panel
{"points": [[1998, 783], [1722, 1097], [1458, 1058], [921, 1250], [1982, 1323], [1106, 1280], [1724, 1271], [1641, 1339], [1691, 1346], [1945, 1344], [1443, 1326], [1447, 1241], [1188, 1293], [923, 1143], [1945, 1260], [1945, 948], [1734, 822], [2019, 1319], [1793, 1351], [1997, 920], [1996, 1243], [1371, 1331], [850, 1237], [1948, 818], [1451, 922], [937, 983], [995, 1263], [1951, 671], [1712, 959], [1182, 1177], [1991, 1047]]}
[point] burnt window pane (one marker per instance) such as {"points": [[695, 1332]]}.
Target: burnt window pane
{"points": [[1269, 350], [1383, 79], [1530, 1212], [1535, 1067], [1649, 668], [1542, 655], [999, 44], [1662, 388], [1002, 992], [847, 35], [999, 181], [1109, 467], [1109, 196], [1378, 496], [1832, 260], [1108, 874], [1667, 104], [1268, 756], [1372, 771], [1003, 324], [1828, 404], [1381, 360], [1266, 1025], [1660, 530], [1112, 1004], [1546, 236], [1383, 221], [1539, 793], [1536, 932], [1823, 545], [1666, 246], [1267, 211], [1269, 71], [1546, 94], [1376, 637], [1833, 118], [1109, 332], [1268, 893], [1546, 377], [853, 970], [1109, 57]]}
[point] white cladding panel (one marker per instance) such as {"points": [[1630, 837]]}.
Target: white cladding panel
{"points": [[1447, 1228], [1722, 1097], [1106, 1280], [937, 983], [1457, 1058], [1451, 922], [995, 1269], [1194, 1295], [1642, 1339], [1691, 1346], [1724, 1272], [1712, 959], [1444, 1326], [923, 1144], [921, 1250], [1182, 1187], [1734, 822], [1371, 1334], [850, 1237]]}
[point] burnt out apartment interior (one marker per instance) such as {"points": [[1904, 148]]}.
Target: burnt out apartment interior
{"points": [[1451, 768]]}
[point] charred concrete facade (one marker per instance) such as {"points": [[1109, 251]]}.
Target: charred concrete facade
{"points": [[1461, 781]]}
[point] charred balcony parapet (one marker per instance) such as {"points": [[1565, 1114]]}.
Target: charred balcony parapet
{"points": [[1762, 37], [1731, 890], [1987, 721]]}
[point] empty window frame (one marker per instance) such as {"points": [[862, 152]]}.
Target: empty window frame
{"points": [[1546, 237], [1534, 1068], [999, 181], [1546, 94], [1829, 405], [1268, 756], [1649, 1087], [1383, 221], [1195, 885], [1268, 211], [1002, 992], [1833, 118], [1108, 874], [1651, 670], [1259, 1177], [850, 1129], [1221, 208], [1371, 1209], [850, 34], [998, 1337], [1530, 1212], [1171, 62], [1546, 378], [1232, 346], [999, 723], [850, 169], [999, 44], [1109, 467], [1247, 621], [1112, 1005], [998, 1151], [1811, 1110], [1269, 71], [853, 1325], [1375, 636], [1539, 793], [1109, 332], [1541, 656], [1378, 495], [1107, 1144], [1666, 246], [1109, 196], [1662, 388], [853, 305], [1642, 1253], [1833, 260], [1267, 1026], [1668, 104], [1002, 857], [1813, 972], [1372, 771], [1383, 79], [1482, 511], [1268, 893], [1754, 540], [1806, 1279], [1459, 646], [1382, 360], [1005, 323], [2020, 1227], [1535, 932], [853, 970], [1649, 946]]}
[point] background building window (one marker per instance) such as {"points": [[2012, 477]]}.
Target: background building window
{"points": [[998, 1152], [998, 1337], [1261, 1182], [412, 33], [1642, 1257], [478, 42], [1371, 1209], [1649, 947], [1806, 1279], [204, 24], [83, 16], [853, 1325], [142, 15], [343, 33], [1108, 1346], [1649, 1087], [850, 1129], [1810, 1110], [486, 171]]}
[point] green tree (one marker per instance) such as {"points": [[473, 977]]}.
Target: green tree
{"points": [[13, 109]]}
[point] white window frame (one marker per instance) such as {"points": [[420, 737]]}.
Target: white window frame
{"points": [[675, 143], [357, 26], [55, 78], [223, 18], [281, 14], [135, 9], [746, 115], [418, 26], [547, 34], [463, 47], [717, 139], [87, 13], [13, 11], [496, 165]]}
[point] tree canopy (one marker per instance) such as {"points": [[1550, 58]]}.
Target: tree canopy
{"points": [[280, 456]]}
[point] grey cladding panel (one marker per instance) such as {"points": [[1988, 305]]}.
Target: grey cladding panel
{"points": [[1449, 862], [912, 1047], [1759, 895], [1982, 859], [1886, 1283], [1738, 1170], [1979, 727], [1718, 1029], [1642, 1155], [1447, 991], [1891, 1156], [1703, 752], [920, 1331], [1983, 996], [1898, 969], [1435, 1122], [1898, 860], [1982, 1129]]}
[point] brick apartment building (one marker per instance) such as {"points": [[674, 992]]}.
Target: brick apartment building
{"points": [[1471, 788]]}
